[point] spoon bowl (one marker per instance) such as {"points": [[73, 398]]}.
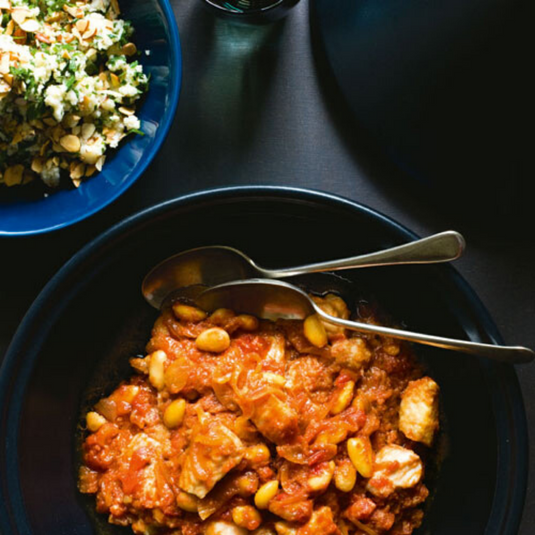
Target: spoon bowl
{"points": [[217, 264], [271, 299], [195, 268]]}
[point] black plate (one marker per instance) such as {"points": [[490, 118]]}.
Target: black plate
{"points": [[74, 343], [443, 88]]}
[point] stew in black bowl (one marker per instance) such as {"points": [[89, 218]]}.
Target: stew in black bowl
{"points": [[74, 345]]}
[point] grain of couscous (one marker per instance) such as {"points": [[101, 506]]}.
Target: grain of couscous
{"points": [[69, 83]]}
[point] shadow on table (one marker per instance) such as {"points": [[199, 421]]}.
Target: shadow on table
{"points": [[233, 76], [497, 201], [366, 151]]}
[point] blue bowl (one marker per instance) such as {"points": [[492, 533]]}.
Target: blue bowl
{"points": [[156, 32], [74, 344]]}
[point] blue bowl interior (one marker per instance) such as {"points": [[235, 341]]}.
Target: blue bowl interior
{"points": [[74, 345], [156, 32]]}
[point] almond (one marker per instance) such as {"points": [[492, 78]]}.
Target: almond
{"points": [[114, 79], [100, 163], [81, 25], [30, 26], [76, 33], [43, 148], [71, 120], [73, 11], [115, 7], [13, 175], [43, 38], [4, 63], [57, 133], [54, 17], [126, 111], [90, 32], [70, 143], [10, 27], [77, 171], [90, 170], [88, 129], [17, 138], [19, 15], [37, 165]]}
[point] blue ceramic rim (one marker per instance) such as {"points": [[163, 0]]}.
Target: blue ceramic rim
{"points": [[512, 461], [161, 134]]}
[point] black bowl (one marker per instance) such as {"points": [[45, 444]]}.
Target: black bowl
{"points": [[74, 343]]}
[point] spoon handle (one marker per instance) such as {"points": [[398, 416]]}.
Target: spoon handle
{"points": [[442, 247], [509, 354]]}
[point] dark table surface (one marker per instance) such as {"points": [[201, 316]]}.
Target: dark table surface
{"points": [[259, 106]]}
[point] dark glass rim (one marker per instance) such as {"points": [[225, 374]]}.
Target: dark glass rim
{"points": [[244, 14]]}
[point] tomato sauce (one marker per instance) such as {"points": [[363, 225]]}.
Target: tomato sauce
{"points": [[319, 425]]}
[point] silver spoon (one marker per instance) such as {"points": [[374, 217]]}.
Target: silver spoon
{"points": [[209, 266], [272, 299]]}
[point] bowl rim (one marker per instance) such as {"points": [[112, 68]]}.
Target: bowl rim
{"points": [[512, 444], [161, 134]]}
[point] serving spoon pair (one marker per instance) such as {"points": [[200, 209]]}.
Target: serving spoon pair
{"points": [[224, 277]]}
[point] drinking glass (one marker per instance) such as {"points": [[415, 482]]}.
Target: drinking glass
{"points": [[252, 10]]}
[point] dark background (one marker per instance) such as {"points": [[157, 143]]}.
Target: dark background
{"points": [[259, 106]]}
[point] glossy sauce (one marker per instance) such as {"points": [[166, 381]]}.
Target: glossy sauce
{"points": [[265, 409]]}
